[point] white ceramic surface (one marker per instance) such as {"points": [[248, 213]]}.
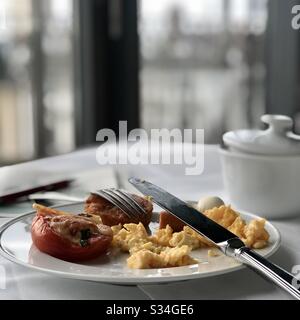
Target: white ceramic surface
{"points": [[267, 185], [16, 245]]}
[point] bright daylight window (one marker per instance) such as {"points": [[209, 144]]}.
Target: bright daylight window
{"points": [[35, 79], [202, 64]]}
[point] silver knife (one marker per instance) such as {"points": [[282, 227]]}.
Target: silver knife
{"points": [[227, 242]]}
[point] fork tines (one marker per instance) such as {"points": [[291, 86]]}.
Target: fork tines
{"points": [[124, 201]]}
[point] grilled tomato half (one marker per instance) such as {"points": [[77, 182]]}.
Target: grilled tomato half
{"points": [[69, 237]]}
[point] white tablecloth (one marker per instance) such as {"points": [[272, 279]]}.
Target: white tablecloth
{"points": [[17, 282]]}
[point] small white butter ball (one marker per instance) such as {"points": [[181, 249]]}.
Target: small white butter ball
{"points": [[207, 203]]}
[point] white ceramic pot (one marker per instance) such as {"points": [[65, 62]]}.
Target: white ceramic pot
{"points": [[262, 184]]}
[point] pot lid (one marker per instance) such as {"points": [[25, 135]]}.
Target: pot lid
{"points": [[278, 139]]}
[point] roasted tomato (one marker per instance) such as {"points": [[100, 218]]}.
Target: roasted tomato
{"points": [[166, 218], [111, 215], [69, 237]]}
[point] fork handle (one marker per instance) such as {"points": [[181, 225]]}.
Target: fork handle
{"points": [[270, 271]]}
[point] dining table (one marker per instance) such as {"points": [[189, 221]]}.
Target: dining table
{"points": [[21, 283]]}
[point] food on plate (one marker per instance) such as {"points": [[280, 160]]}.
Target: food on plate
{"points": [[166, 248], [189, 237], [168, 219], [169, 257], [69, 237], [42, 210], [213, 253], [103, 227], [253, 234], [149, 251], [206, 203], [111, 215], [256, 236]]}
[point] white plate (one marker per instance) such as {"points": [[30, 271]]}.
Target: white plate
{"points": [[16, 245]]}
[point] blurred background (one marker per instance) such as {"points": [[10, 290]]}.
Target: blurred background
{"points": [[71, 67]]}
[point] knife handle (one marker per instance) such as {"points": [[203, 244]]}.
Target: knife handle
{"points": [[269, 270]]}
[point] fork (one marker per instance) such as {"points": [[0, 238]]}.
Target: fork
{"points": [[124, 201]]}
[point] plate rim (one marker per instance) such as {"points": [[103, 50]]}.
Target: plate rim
{"points": [[134, 280]]}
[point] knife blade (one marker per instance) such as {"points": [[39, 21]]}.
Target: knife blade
{"points": [[226, 241], [192, 217]]}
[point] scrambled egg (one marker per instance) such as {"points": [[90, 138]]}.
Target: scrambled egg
{"points": [[168, 257], [150, 251], [166, 248], [253, 234]]}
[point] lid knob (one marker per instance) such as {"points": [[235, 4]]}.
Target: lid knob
{"points": [[278, 123], [278, 139]]}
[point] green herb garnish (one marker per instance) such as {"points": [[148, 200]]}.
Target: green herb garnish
{"points": [[85, 234], [83, 243]]}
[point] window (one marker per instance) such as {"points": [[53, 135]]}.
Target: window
{"points": [[57, 51], [16, 122], [69, 68], [202, 64], [36, 116]]}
